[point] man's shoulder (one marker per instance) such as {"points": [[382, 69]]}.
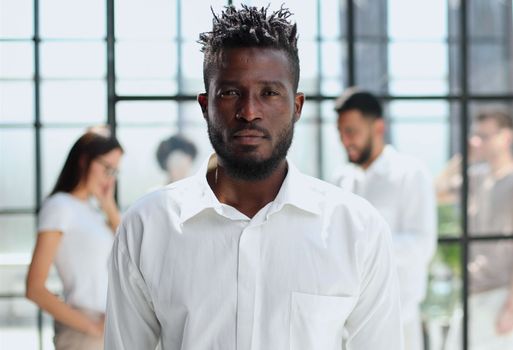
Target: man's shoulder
{"points": [[331, 195], [341, 172], [164, 199]]}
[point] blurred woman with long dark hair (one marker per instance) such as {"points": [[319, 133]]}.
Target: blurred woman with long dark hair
{"points": [[76, 230]]}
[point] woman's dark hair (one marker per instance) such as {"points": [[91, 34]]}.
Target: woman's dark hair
{"points": [[250, 27], [96, 142], [174, 143]]}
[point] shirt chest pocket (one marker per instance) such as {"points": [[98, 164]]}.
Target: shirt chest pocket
{"points": [[317, 322]]}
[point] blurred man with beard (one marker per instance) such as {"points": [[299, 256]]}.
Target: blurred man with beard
{"points": [[400, 188], [250, 253]]}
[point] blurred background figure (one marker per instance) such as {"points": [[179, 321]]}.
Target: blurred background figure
{"points": [[76, 230], [175, 156], [490, 213], [401, 189]]}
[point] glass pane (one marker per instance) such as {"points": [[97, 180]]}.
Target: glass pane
{"points": [[490, 268], [304, 15], [74, 102], [492, 15], [333, 22], [146, 87], [72, 19], [333, 67], [18, 324], [370, 20], [407, 78], [17, 102], [140, 172], [202, 15], [136, 112], [308, 64], [56, 144], [198, 133], [491, 66], [143, 60], [419, 111], [417, 19], [371, 67], [442, 312], [490, 169], [191, 114], [192, 69], [334, 155], [16, 18], [17, 163], [333, 152], [154, 18], [303, 151], [17, 60], [73, 60], [17, 239], [407, 138], [490, 29]]}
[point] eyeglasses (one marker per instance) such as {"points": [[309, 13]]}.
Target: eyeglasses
{"points": [[109, 169], [486, 137]]}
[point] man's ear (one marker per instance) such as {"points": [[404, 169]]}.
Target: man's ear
{"points": [[299, 100], [379, 126], [203, 102]]}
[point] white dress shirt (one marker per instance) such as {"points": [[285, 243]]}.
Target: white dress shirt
{"points": [[309, 269], [401, 189]]}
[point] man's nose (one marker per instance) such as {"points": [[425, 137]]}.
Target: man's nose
{"points": [[249, 109]]}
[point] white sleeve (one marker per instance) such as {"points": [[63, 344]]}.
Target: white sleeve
{"points": [[375, 322], [55, 215], [130, 322]]}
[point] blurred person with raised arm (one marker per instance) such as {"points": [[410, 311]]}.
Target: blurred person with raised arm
{"points": [[76, 226]]}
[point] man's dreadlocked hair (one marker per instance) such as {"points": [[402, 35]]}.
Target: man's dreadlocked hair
{"points": [[250, 27]]}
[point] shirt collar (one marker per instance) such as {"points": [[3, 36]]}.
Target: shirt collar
{"points": [[200, 197], [295, 191]]}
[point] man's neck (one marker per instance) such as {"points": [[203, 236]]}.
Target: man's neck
{"points": [[247, 196]]}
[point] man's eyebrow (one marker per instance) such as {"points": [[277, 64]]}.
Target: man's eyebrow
{"points": [[272, 82], [261, 82]]}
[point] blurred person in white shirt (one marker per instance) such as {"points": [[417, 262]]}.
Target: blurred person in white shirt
{"points": [[400, 188], [250, 253]]}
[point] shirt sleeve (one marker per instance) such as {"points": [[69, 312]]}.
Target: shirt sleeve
{"points": [[54, 215], [130, 322], [375, 322]]}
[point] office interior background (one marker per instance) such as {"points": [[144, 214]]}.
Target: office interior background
{"points": [[135, 65]]}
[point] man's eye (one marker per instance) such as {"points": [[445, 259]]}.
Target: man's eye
{"points": [[271, 93], [227, 93]]}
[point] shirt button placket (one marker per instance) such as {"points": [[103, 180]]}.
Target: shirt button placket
{"points": [[247, 272]]}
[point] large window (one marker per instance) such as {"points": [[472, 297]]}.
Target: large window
{"points": [[66, 65]]}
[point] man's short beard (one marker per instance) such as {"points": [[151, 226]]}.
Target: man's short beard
{"points": [[248, 168], [366, 153]]}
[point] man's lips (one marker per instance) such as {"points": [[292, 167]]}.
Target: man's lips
{"points": [[249, 136], [249, 133]]}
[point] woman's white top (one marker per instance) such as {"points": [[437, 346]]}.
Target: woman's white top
{"points": [[84, 249]]}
